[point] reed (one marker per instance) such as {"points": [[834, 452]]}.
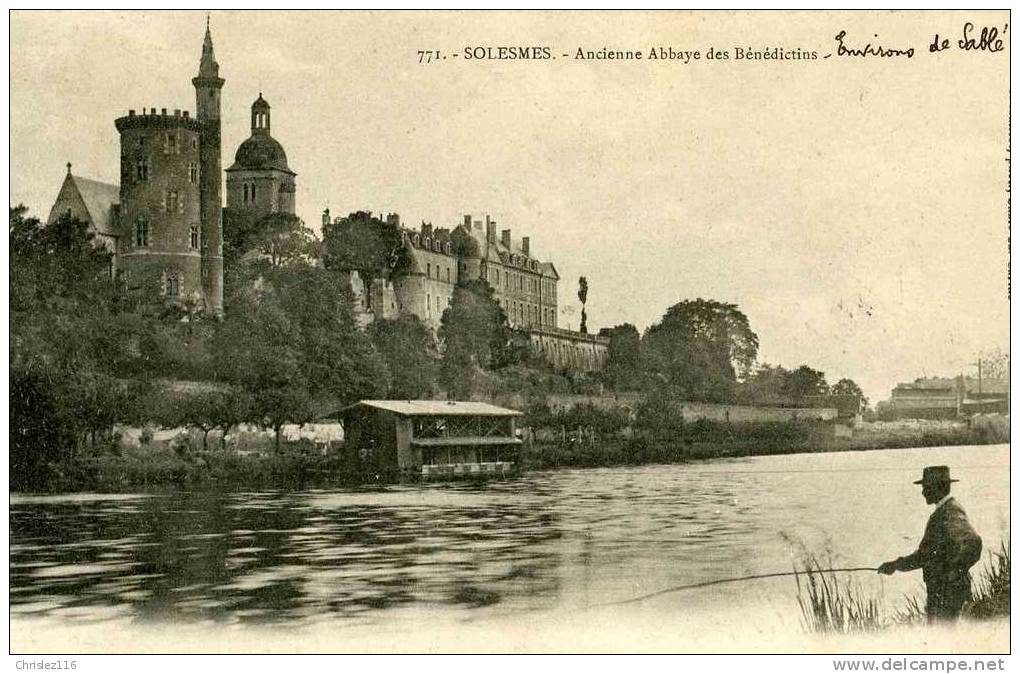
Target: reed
{"points": [[829, 603], [991, 588]]}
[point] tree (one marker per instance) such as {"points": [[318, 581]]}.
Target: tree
{"points": [[274, 240], [289, 341], [994, 364], [475, 335], [805, 382], [623, 369], [848, 387], [700, 348], [211, 410], [409, 349], [68, 339], [765, 386], [582, 295], [363, 243]]}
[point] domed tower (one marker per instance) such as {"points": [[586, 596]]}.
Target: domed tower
{"points": [[260, 182], [207, 97]]}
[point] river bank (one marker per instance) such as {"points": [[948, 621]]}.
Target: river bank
{"points": [[302, 464]]}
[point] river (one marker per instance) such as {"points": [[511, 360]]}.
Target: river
{"points": [[421, 564]]}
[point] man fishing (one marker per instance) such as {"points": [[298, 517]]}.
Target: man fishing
{"points": [[949, 548]]}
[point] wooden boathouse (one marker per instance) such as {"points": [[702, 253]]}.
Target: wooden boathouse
{"points": [[433, 438]]}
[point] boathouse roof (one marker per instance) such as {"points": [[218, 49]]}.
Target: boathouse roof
{"points": [[415, 408]]}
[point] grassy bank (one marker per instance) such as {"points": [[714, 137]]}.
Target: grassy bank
{"points": [[298, 465], [253, 463], [714, 441]]}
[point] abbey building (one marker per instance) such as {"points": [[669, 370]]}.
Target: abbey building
{"points": [[164, 225]]}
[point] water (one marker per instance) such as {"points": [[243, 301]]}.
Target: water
{"points": [[532, 549]]}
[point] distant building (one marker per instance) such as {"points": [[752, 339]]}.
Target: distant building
{"points": [[945, 398], [523, 285]]}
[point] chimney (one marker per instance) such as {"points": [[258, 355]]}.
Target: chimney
{"points": [[505, 237], [490, 231], [526, 245], [325, 217]]}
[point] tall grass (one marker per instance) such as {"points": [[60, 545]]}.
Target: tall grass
{"points": [[991, 589], [829, 603]]}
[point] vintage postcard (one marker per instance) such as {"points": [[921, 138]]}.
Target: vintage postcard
{"points": [[510, 332]]}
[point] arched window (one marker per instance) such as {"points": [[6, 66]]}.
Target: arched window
{"points": [[141, 232], [172, 286]]}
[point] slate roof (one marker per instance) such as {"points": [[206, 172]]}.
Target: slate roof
{"points": [[99, 200]]}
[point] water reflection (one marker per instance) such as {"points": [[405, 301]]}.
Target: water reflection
{"points": [[274, 557], [546, 541]]}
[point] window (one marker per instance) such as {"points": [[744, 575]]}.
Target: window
{"points": [[194, 143], [428, 304], [497, 277], [142, 170], [193, 173], [447, 274], [246, 193], [170, 146], [173, 286], [253, 192], [195, 236], [141, 233], [173, 201], [428, 270]]}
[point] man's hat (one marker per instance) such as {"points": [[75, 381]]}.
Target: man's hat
{"points": [[935, 475]]}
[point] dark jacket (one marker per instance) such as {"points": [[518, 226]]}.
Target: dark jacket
{"points": [[949, 548]]}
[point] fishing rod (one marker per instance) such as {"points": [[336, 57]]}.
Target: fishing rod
{"points": [[722, 581]]}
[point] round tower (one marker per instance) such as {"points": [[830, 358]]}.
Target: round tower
{"points": [[160, 202]]}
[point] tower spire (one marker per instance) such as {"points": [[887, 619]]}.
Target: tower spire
{"points": [[208, 67]]}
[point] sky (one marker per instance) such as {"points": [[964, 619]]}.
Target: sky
{"points": [[853, 208]]}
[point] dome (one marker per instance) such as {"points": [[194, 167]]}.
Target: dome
{"points": [[261, 151]]}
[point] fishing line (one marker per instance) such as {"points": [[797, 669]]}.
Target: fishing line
{"points": [[727, 580]]}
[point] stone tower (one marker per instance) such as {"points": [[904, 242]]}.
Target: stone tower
{"points": [[260, 182], [160, 217], [207, 97]]}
